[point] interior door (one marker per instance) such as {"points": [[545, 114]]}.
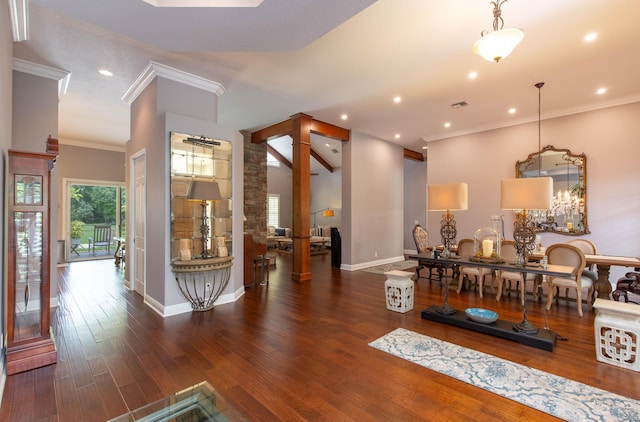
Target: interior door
{"points": [[139, 212]]}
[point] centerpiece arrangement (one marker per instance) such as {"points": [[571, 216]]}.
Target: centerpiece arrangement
{"points": [[486, 246]]}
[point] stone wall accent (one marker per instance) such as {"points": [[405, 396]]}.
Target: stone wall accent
{"points": [[255, 187]]}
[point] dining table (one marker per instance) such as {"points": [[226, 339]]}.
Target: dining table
{"points": [[603, 265]]}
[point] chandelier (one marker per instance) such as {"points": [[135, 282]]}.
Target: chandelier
{"points": [[496, 45]]}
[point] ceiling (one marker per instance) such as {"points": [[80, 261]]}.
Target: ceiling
{"points": [[326, 58]]}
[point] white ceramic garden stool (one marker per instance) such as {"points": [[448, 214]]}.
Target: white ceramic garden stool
{"points": [[399, 291], [617, 332]]}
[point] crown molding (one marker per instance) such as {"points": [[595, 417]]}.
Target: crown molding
{"points": [[204, 3], [154, 69], [19, 12], [62, 76]]}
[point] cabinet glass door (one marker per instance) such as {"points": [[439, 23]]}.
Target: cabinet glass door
{"points": [[28, 274]]}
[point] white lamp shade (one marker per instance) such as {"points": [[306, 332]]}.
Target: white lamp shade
{"points": [[497, 45], [204, 191], [447, 196], [534, 193]]}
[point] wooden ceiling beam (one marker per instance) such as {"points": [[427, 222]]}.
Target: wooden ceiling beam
{"points": [[330, 131], [321, 160], [274, 131], [413, 155], [279, 156]]}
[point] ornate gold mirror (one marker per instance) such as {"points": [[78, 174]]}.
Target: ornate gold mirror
{"points": [[568, 214]]}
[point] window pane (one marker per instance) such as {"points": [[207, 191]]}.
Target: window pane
{"points": [[273, 210]]}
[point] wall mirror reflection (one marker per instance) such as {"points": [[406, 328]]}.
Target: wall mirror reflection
{"points": [[568, 214], [200, 197]]}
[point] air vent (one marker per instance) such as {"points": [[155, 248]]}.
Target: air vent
{"points": [[460, 104], [335, 151]]}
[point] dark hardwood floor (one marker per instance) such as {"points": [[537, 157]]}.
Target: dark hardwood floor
{"points": [[287, 351]]}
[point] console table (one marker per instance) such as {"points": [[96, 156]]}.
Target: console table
{"points": [[202, 281], [523, 332]]}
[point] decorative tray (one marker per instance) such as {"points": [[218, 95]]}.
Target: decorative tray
{"points": [[490, 260], [484, 316]]}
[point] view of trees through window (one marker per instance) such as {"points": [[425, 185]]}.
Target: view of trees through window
{"points": [[92, 206]]}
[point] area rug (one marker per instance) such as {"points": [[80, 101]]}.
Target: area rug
{"points": [[399, 266], [557, 396]]}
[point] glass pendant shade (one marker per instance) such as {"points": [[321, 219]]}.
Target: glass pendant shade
{"points": [[495, 46]]}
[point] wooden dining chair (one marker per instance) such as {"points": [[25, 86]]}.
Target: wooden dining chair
{"points": [[569, 255], [508, 252], [466, 249]]}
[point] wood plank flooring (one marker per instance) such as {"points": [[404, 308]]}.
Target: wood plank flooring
{"points": [[287, 351]]}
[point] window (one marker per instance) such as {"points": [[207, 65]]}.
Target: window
{"points": [[272, 161], [273, 210]]}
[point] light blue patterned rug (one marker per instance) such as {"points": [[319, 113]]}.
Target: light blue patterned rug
{"points": [[557, 396]]}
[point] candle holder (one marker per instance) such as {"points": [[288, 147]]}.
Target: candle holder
{"points": [[487, 243]]}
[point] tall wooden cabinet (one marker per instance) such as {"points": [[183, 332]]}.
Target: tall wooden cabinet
{"points": [[29, 340]]}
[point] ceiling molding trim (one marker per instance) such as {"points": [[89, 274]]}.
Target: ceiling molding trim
{"points": [[93, 145], [62, 76], [19, 11], [154, 69], [204, 3]]}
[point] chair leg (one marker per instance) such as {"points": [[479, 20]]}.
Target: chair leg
{"points": [[460, 279], [500, 283], [579, 301]]}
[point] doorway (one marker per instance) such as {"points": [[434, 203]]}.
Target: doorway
{"points": [[95, 216]]}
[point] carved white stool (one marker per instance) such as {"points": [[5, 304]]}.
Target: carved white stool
{"points": [[399, 291], [617, 332]]}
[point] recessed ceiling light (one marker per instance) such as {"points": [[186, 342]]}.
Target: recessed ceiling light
{"points": [[447, 124], [425, 147], [473, 75], [601, 91], [105, 72], [590, 37], [344, 117], [397, 99], [397, 136], [328, 145], [512, 110]]}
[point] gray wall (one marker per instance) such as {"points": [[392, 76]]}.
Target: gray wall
{"points": [[415, 199], [326, 192], [373, 201]]}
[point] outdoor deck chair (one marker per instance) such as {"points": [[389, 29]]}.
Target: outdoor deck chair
{"points": [[101, 237]]}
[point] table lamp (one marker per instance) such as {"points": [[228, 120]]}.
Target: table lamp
{"points": [[204, 191], [447, 197], [522, 194]]}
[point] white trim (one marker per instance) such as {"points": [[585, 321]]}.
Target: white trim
{"points": [[93, 145], [185, 307], [154, 69], [356, 267], [62, 76], [204, 3], [19, 11]]}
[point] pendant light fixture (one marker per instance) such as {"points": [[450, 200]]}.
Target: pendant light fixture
{"points": [[496, 45]]}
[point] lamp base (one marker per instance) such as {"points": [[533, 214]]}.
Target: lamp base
{"points": [[525, 327], [446, 310]]}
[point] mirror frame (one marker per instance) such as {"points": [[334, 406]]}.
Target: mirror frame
{"points": [[580, 161]]}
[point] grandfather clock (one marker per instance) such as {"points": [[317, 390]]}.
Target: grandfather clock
{"points": [[29, 340]]}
